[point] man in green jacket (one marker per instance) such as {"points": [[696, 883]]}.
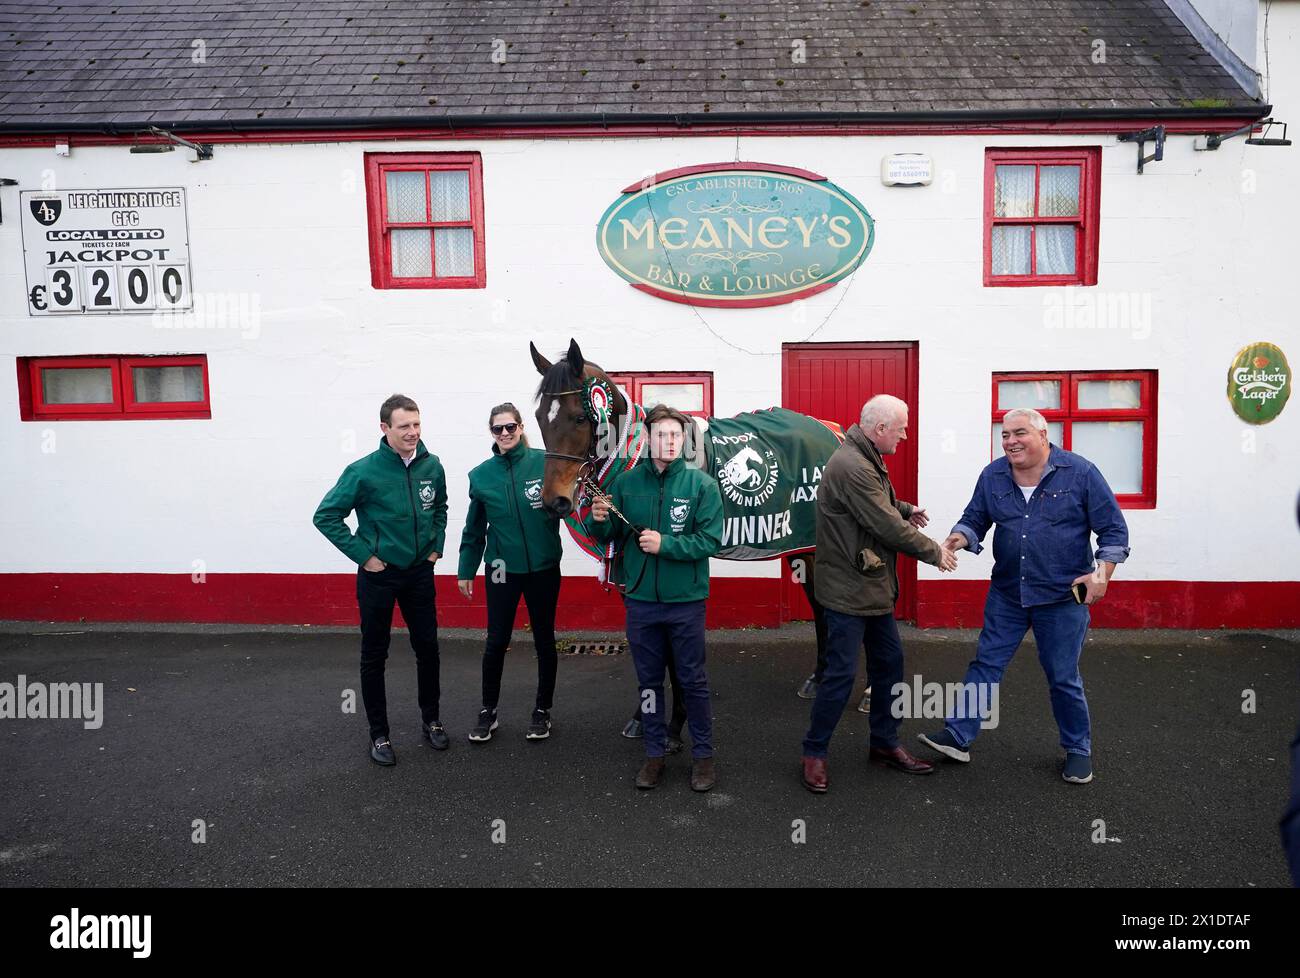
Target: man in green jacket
{"points": [[675, 512], [399, 493]]}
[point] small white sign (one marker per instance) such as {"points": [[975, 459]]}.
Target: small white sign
{"points": [[106, 251], [906, 170]]}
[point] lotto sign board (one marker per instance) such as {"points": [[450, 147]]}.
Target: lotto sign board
{"points": [[106, 251]]}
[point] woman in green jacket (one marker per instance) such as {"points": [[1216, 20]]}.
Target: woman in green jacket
{"points": [[508, 528]]}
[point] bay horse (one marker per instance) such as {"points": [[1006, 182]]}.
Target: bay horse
{"points": [[585, 450]]}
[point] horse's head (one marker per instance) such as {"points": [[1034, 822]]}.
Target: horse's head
{"points": [[567, 430]]}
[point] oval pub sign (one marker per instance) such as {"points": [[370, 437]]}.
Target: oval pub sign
{"points": [[735, 234], [1259, 383]]}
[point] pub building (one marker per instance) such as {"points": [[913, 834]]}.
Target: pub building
{"points": [[228, 232]]}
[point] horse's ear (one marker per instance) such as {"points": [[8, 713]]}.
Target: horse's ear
{"points": [[539, 361], [576, 362]]}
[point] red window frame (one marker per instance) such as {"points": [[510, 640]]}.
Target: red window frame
{"points": [[1087, 221], [32, 405], [632, 383], [381, 264], [1069, 412]]}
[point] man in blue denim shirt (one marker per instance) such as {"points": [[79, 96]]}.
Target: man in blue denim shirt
{"points": [[1046, 503]]}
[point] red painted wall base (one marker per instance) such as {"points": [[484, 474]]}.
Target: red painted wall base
{"points": [[330, 599], [1136, 604]]}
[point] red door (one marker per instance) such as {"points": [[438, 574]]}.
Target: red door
{"points": [[832, 381]]}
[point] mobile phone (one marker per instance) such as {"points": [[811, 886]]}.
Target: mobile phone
{"points": [[1080, 592]]}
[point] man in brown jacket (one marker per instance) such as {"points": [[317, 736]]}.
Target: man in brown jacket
{"points": [[861, 527]]}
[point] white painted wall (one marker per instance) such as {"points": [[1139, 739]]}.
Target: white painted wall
{"points": [[1208, 236], [1234, 22], [1278, 54]]}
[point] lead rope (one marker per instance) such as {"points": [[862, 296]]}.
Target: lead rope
{"points": [[591, 486]]}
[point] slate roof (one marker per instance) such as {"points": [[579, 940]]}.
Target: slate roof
{"points": [[134, 61]]}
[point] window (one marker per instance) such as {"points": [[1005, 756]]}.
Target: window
{"points": [[689, 393], [1041, 216], [426, 220], [1107, 417], [103, 388]]}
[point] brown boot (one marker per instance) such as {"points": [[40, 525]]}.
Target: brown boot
{"points": [[652, 771], [815, 777], [703, 776]]}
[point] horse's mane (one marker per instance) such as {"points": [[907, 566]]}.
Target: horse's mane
{"points": [[560, 378]]}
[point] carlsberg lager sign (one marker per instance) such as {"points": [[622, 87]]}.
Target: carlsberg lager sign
{"points": [[734, 234], [1259, 383]]}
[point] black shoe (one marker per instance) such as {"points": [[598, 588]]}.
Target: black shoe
{"points": [[435, 735], [487, 722], [1077, 768], [674, 742], [808, 691], [540, 728], [633, 730], [381, 752]]}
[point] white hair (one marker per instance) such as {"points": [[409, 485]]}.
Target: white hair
{"points": [[1035, 419], [881, 409]]}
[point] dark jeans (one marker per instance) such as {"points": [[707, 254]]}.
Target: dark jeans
{"points": [[652, 629], [541, 593], [878, 635], [819, 671], [412, 590], [678, 719], [1290, 824]]}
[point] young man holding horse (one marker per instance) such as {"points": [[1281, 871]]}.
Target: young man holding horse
{"points": [[399, 492], [669, 523], [594, 435]]}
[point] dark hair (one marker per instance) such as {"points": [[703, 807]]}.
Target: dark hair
{"points": [[662, 412], [508, 408], [397, 401]]}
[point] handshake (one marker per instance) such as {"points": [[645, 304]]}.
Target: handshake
{"points": [[948, 549]]}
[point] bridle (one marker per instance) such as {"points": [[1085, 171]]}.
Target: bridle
{"points": [[588, 461], [587, 486], [590, 470]]}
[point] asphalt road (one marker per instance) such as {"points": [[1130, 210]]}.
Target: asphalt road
{"points": [[243, 729]]}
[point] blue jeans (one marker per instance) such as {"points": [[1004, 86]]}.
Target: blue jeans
{"points": [[1059, 630], [878, 635], [652, 629]]}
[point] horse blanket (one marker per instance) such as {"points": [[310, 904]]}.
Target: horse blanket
{"points": [[768, 465]]}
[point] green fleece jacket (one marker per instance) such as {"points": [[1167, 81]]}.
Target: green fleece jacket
{"points": [[506, 517], [685, 506], [401, 510]]}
